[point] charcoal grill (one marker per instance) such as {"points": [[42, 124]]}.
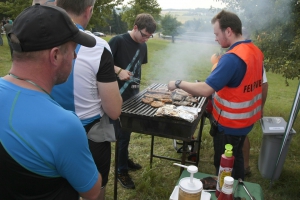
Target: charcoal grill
{"points": [[139, 117]]}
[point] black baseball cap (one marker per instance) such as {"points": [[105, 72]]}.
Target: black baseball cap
{"points": [[42, 27]]}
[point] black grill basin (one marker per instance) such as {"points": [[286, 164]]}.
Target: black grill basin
{"points": [[139, 117]]}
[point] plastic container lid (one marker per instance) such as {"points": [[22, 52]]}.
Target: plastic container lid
{"points": [[228, 185], [228, 150], [274, 126], [228, 180], [194, 187]]}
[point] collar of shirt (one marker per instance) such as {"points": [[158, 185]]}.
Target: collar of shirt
{"points": [[237, 43], [79, 27]]}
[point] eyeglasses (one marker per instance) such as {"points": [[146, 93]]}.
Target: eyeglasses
{"points": [[144, 35]]}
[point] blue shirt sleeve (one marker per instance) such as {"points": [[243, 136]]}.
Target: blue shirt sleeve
{"points": [[74, 160], [230, 72]]}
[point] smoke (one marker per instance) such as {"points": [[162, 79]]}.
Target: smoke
{"points": [[187, 59], [184, 60], [258, 15]]}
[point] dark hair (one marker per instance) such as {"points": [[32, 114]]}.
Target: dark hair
{"points": [[145, 20], [76, 7], [228, 19]]}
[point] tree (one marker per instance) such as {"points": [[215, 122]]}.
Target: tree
{"points": [[140, 6], [193, 25], [115, 25], [12, 8], [170, 26], [274, 26], [102, 10]]}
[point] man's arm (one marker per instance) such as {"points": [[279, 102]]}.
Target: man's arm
{"points": [[94, 193], [111, 99], [74, 161], [107, 84], [196, 89]]}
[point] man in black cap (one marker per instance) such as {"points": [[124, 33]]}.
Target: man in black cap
{"points": [[44, 152]]}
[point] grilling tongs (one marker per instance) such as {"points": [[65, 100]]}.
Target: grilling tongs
{"points": [[247, 191]]}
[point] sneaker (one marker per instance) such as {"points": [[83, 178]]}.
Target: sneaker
{"points": [[247, 171], [125, 180], [133, 166]]}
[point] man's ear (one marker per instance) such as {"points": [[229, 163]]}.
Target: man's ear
{"points": [[54, 56], [228, 31], [89, 11]]}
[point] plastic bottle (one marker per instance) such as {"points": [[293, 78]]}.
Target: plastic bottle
{"points": [[226, 165], [227, 188], [190, 188]]}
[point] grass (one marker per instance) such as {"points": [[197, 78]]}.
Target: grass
{"points": [[191, 61], [5, 59]]}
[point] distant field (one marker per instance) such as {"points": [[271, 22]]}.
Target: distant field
{"points": [[186, 15], [180, 15]]}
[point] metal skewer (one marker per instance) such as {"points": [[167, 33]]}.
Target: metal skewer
{"points": [[247, 191]]}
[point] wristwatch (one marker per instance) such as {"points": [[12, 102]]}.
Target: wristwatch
{"points": [[177, 83]]}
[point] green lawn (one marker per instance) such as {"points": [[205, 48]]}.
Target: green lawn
{"points": [[191, 61]]}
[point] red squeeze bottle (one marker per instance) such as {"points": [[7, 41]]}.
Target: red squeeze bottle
{"points": [[226, 165], [227, 188]]}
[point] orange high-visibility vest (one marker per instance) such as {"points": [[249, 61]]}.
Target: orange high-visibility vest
{"points": [[240, 107]]}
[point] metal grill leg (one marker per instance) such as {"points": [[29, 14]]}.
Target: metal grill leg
{"points": [[183, 156], [199, 139], [116, 171], [151, 151]]}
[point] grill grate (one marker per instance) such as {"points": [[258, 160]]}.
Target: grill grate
{"points": [[135, 106]]}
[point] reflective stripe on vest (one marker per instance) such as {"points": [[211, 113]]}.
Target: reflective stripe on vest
{"points": [[238, 115], [235, 105]]}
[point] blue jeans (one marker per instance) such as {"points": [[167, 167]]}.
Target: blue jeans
{"points": [[219, 146], [123, 143]]}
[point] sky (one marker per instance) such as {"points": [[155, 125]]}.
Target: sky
{"points": [[187, 4]]}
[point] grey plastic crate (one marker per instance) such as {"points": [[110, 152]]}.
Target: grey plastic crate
{"points": [[273, 134]]}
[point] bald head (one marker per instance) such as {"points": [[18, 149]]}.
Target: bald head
{"points": [[45, 2]]}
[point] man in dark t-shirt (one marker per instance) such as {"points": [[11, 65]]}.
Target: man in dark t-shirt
{"points": [[130, 52]]}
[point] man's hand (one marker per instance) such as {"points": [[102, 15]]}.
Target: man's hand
{"points": [[124, 75], [171, 85]]}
